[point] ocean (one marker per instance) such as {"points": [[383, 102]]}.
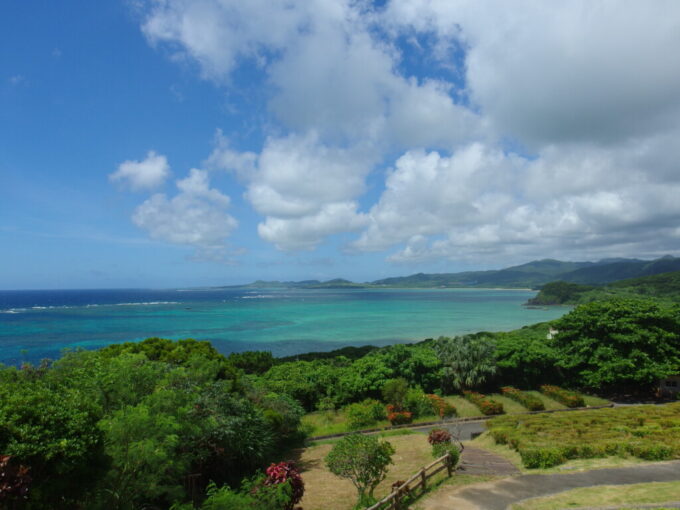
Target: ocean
{"points": [[41, 324]]}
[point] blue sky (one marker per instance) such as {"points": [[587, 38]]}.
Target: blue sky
{"points": [[169, 143]]}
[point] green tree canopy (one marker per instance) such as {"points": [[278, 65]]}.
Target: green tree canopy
{"points": [[631, 342], [362, 459]]}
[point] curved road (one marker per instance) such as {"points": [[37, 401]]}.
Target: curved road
{"points": [[500, 494]]}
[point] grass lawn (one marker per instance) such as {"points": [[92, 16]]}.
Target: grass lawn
{"points": [[325, 491], [592, 400], [509, 406], [549, 403], [464, 408], [606, 495]]}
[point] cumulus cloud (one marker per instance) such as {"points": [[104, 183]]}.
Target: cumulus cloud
{"points": [[196, 216], [147, 174], [555, 136], [304, 188], [566, 71]]}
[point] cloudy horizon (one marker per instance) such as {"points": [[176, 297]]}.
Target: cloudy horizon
{"points": [[177, 142]]}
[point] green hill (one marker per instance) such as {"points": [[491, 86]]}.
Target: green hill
{"points": [[665, 286], [533, 274]]}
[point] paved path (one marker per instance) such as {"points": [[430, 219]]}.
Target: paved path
{"points": [[476, 461], [500, 494]]}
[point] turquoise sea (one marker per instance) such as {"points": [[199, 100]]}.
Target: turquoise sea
{"points": [[40, 324]]}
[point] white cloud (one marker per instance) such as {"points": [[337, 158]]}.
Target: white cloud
{"points": [[304, 188], [196, 216], [562, 71], [585, 93], [149, 173]]}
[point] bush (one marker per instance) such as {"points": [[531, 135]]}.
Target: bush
{"points": [[437, 436], [286, 472], [398, 417], [441, 407], [441, 449], [364, 414], [541, 457], [566, 397], [485, 404], [531, 402], [417, 403]]}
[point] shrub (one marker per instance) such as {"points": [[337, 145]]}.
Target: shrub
{"points": [[441, 449], [398, 417], [417, 403], [566, 397], [286, 472], [437, 436], [364, 414], [531, 402], [541, 457], [441, 407], [485, 404]]}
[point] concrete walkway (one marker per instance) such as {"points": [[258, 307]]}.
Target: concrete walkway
{"points": [[499, 495]]}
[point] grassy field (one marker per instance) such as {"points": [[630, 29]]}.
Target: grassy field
{"points": [[546, 440], [607, 495], [325, 491]]}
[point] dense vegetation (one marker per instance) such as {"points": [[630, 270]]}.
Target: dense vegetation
{"points": [[664, 286], [124, 427], [151, 423], [647, 432]]}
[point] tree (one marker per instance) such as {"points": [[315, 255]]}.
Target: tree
{"points": [[363, 460], [622, 342], [394, 392], [468, 360]]}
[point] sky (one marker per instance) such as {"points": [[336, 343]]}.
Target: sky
{"points": [[166, 143]]}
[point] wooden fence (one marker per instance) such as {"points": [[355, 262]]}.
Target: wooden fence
{"points": [[417, 481]]}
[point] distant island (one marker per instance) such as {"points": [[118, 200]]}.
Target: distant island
{"points": [[531, 275]]}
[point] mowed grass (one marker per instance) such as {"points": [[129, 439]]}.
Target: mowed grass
{"points": [[509, 406], [550, 404], [606, 495], [464, 408]]}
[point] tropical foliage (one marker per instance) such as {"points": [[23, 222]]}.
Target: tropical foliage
{"points": [[468, 360]]}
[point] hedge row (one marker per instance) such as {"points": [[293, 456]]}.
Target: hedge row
{"points": [[646, 432], [531, 402], [566, 397], [485, 404]]}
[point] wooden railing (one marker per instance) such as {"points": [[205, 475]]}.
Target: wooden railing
{"points": [[417, 481]]}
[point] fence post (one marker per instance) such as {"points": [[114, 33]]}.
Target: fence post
{"points": [[424, 478], [449, 464]]}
